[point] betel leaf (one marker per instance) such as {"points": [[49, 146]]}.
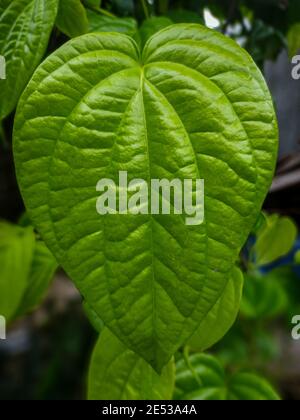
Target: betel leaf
{"points": [[192, 105], [152, 25], [25, 27], [117, 373], [222, 316], [100, 23], [275, 239], [16, 252], [43, 267], [72, 18], [205, 379]]}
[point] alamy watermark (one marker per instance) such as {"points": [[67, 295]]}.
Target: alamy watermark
{"points": [[2, 328], [166, 197], [296, 67], [296, 328], [2, 67]]}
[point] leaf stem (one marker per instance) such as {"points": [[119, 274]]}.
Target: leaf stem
{"points": [[145, 8], [186, 356]]}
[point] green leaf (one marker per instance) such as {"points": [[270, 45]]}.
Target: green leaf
{"points": [[275, 239], [205, 379], [263, 297], [294, 39], [222, 316], [193, 105], [153, 25], [41, 273], [25, 27], [251, 387], [185, 16], [72, 18], [260, 223], [93, 3], [117, 373], [100, 23], [16, 253]]}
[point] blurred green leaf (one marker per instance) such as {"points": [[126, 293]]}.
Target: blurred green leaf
{"points": [[101, 23], [16, 253], [41, 273], [275, 239], [185, 16], [123, 7], [264, 42], [248, 345], [71, 18], [297, 258], [205, 379], [93, 3], [117, 373], [263, 297], [294, 39], [153, 25], [222, 316]]}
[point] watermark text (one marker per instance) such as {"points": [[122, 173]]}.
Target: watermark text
{"points": [[166, 197]]}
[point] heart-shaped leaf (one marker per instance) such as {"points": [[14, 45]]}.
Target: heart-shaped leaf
{"points": [[25, 27], [192, 105], [117, 373], [275, 239]]}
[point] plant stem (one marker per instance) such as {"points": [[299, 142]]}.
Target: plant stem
{"points": [[145, 8], [186, 356]]}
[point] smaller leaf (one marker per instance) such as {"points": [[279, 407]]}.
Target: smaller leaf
{"points": [[263, 297], [153, 25], [41, 273], [251, 387], [205, 379], [16, 253], [221, 317], [117, 373], [275, 239], [100, 23], [71, 18], [294, 39]]}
